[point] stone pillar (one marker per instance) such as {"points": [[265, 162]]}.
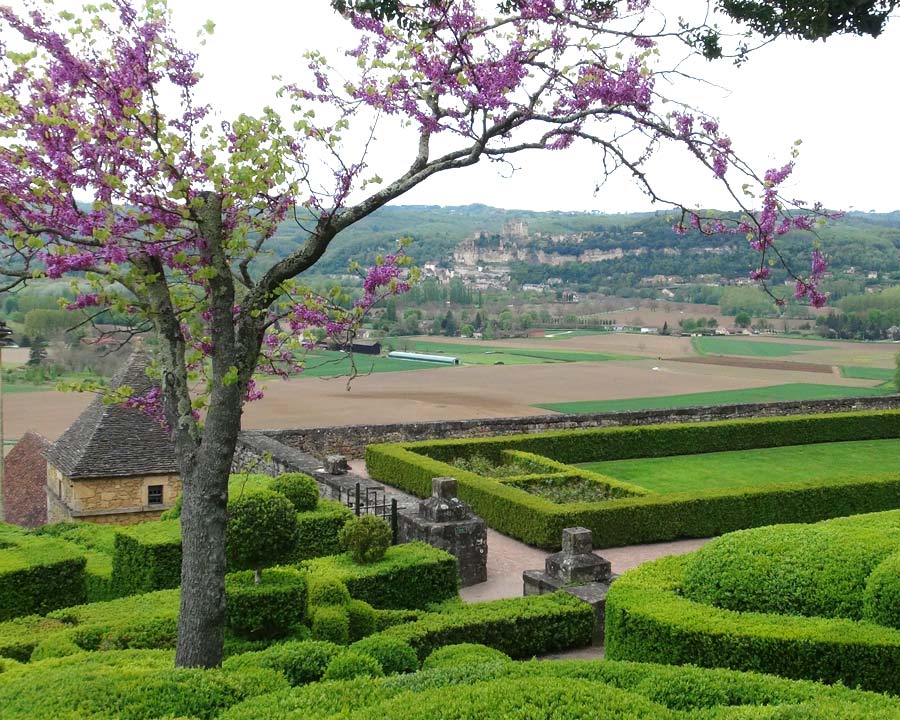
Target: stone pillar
{"points": [[446, 522], [577, 570]]}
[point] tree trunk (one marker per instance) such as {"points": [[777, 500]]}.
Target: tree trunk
{"points": [[201, 619]]}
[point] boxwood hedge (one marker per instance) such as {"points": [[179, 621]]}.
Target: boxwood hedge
{"points": [[130, 685], [38, 574], [410, 576], [569, 690], [634, 518], [649, 618]]}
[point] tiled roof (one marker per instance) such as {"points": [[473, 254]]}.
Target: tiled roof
{"points": [[115, 441], [25, 481]]}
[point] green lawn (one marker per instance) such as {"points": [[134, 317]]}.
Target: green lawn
{"points": [[479, 354], [752, 348], [771, 393], [867, 373], [746, 468]]}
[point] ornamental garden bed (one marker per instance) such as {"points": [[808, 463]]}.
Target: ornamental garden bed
{"points": [[641, 484], [817, 601]]}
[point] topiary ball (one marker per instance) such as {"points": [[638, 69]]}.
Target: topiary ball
{"points": [[262, 530], [349, 665], [327, 591], [394, 655], [331, 624], [366, 538], [299, 488]]}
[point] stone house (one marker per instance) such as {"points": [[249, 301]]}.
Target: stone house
{"points": [[113, 464]]}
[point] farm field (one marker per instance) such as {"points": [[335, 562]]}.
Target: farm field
{"points": [[752, 468], [752, 348], [774, 393], [512, 389], [475, 353]]}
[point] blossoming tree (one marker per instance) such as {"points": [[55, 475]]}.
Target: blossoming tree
{"points": [[113, 175]]}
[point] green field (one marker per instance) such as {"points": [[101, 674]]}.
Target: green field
{"points": [[770, 393], [478, 354], [867, 373], [337, 364], [748, 468], [751, 348]]}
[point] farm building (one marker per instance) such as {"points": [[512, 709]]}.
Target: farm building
{"points": [[114, 464], [424, 357]]}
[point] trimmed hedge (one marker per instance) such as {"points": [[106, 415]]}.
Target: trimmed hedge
{"points": [[350, 664], [881, 599], [38, 574], [142, 619], [451, 656], [319, 528], [394, 655], [266, 610], [299, 662], [301, 489], [520, 627], [570, 690], [649, 620], [819, 570], [131, 685], [651, 517], [412, 575], [147, 557]]}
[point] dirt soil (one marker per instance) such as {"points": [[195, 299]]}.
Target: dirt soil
{"points": [[761, 364]]}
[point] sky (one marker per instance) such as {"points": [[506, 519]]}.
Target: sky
{"points": [[836, 96]]}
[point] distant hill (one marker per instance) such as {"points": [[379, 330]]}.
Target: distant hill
{"points": [[865, 241]]}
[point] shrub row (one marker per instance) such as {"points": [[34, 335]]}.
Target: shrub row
{"points": [[38, 574], [520, 627], [648, 620], [412, 575], [131, 685], [816, 570], [147, 557], [572, 690], [630, 520], [271, 609]]}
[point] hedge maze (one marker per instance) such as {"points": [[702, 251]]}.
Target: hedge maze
{"points": [[520, 505], [89, 613]]}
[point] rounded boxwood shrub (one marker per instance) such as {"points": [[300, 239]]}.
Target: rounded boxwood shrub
{"points": [[268, 609], [300, 662], [813, 570], [350, 664], [331, 624], [327, 591], [150, 634], [261, 531], [451, 656], [366, 538], [54, 647], [394, 655], [299, 488], [361, 616], [881, 600]]}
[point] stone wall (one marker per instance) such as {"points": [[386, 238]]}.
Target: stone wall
{"points": [[120, 500], [351, 440]]}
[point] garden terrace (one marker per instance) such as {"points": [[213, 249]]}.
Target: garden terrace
{"points": [[818, 601], [623, 512]]}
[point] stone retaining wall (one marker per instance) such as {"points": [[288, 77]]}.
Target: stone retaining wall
{"points": [[351, 440]]}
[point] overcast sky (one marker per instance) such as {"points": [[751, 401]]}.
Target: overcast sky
{"points": [[838, 96]]}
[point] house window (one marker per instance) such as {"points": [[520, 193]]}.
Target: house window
{"points": [[154, 494]]}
